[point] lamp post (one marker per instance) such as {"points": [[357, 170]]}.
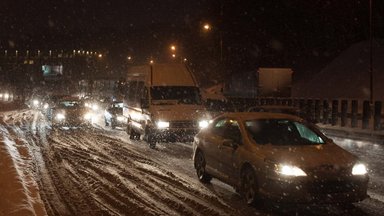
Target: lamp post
{"points": [[207, 27], [370, 54]]}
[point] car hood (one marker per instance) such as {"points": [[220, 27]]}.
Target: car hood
{"points": [[310, 156], [179, 112], [76, 111]]}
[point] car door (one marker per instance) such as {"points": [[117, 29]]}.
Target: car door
{"points": [[211, 143], [228, 150]]}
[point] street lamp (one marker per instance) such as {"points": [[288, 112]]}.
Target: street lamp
{"points": [[173, 47], [207, 27], [370, 53]]}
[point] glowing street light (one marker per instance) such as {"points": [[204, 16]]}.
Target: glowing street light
{"points": [[100, 55], [173, 47], [129, 58], [151, 62], [173, 55], [207, 27]]}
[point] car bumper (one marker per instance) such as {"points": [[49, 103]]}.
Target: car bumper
{"points": [[180, 134], [71, 122], [353, 189]]}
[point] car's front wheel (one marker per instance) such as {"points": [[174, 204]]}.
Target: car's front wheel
{"points": [[249, 186], [200, 168]]}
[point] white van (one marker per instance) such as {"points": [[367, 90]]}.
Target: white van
{"points": [[163, 102]]}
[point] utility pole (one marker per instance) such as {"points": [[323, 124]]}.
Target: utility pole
{"points": [[370, 53]]}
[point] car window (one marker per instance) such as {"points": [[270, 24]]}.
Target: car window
{"points": [[227, 129], [281, 132], [308, 134], [232, 131]]}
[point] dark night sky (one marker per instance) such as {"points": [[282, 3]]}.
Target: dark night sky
{"points": [[294, 33]]}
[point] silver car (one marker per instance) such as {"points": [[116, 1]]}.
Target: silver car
{"points": [[279, 157]]}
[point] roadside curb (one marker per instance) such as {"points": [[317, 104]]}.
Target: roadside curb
{"points": [[356, 134]]}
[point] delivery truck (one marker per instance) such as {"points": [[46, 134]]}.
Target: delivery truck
{"points": [[162, 102]]}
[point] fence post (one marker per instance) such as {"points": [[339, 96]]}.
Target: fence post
{"points": [[325, 111], [317, 110], [335, 110], [377, 116], [344, 112], [366, 114], [290, 102], [354, 111], [310, 110]]}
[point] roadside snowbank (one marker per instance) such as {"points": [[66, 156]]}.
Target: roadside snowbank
{"points": [[19, 193]]}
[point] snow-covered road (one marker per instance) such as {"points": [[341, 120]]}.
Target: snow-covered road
{"points": [[99, 171]]}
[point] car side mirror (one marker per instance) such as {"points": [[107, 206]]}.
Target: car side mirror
{"points": [[230, 143]]}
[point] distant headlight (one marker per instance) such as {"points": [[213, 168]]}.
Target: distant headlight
{"points": [[120, 118], [60, 116], [95, 107], [35, 102], [359, 169], [288, 170], [88, 116], [162, 124], [203, 124]]}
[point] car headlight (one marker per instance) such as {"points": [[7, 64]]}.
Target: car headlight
{"points": [[203, 123], [35, 103], [95, 107], [289, 170], [60, 116], [359, 169], [162, 124], [88, 116], [120, 118]]}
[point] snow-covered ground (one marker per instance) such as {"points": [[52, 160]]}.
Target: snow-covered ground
{"points": [[99, 171]]}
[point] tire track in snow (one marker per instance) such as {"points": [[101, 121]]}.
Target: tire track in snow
{"points": [[83, 151]]}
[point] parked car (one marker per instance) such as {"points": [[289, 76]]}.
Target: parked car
{"points": [[113, 115], [278, 157], [71, 112]]}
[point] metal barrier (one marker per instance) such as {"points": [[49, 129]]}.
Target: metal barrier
{"points": [[337, 112]]}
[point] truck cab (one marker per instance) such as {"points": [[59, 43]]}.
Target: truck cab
{"points": [[162, 102]]}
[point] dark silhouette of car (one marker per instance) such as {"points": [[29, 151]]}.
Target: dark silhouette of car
{"points": [[279, 157], [71, 112], [113, 115]]}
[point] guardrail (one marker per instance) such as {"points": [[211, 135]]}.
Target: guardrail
{"points": [[337, 112]]}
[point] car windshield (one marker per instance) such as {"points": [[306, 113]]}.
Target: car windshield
{"points": [[282, 132], [117, 105], [69, 104], [181, 94]]}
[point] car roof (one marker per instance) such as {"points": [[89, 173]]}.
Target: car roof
{"points": [[259, 115]]}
